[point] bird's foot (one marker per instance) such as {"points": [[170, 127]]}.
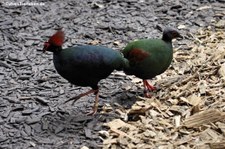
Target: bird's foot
{"points": [[95, 107], [91, 113], [147, 94], [79, 96], [73, 98], [149, 86]]}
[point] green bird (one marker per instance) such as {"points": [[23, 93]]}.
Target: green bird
{"points": [[150, 57]]}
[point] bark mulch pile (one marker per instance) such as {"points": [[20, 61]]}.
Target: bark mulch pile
{"points": [[188, 111]]}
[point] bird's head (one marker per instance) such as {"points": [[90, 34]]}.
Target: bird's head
{"points": [[55, 42], [170, 33]]}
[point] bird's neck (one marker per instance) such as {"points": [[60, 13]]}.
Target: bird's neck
{"points": [[55, 49], [166, 38], [168, 41]]}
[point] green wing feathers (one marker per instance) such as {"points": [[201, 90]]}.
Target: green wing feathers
{"points": [[148, 57]]}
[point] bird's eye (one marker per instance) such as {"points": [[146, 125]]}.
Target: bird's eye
{"points": [[46, 44], [174, 34]]}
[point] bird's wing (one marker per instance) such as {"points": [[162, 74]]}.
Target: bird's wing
{"points": [[137, 55]]}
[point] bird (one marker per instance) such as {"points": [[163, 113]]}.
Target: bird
{"points": [[150, 57], [84, 65]]}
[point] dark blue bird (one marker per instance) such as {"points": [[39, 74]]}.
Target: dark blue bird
{"points": [[84, 65]]}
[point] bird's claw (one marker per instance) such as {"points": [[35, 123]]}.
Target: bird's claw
{"points": [[95, 107], [91, 113], [153, 88], [150, 87], [146, 94], [73, 98]]}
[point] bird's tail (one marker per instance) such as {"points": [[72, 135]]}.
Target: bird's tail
{"points": [[124, 63]]}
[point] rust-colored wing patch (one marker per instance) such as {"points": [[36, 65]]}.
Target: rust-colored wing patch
{"points": [[137, 55]]}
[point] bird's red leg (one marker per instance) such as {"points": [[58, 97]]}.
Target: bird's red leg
{"points": [[95, 107], [80, 95], [147, 87]]}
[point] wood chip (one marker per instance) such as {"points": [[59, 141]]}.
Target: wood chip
{"points": [[177, 120], [116, 124], [204, 118], [217, 145], [193, 100], [209, 134]]}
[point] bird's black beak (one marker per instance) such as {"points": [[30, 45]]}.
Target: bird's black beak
{"points": [[46, 45], [179, 36], [44, 50]]}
